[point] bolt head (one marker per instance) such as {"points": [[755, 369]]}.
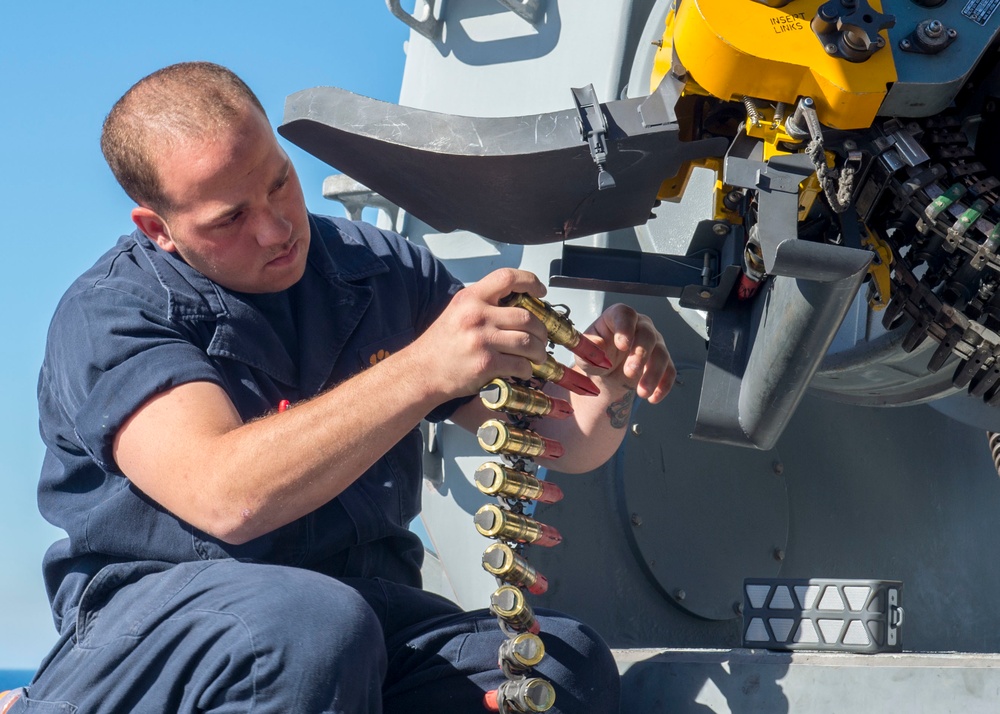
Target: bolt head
{"points": [[738, 608], [636, 519], [679, 594], [779, 468], [720, 229], [830, 48], [905, 44], [779, 554]]}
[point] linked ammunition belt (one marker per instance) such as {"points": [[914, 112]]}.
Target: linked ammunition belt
{"points": [[946, 269], [514, 482]]}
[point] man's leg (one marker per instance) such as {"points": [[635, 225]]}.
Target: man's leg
{"points": [[220, 636], [442, 659]]}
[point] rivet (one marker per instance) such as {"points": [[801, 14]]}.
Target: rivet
{"points": [[779, 468], [636, 429], [636, 519], [738, 608], [779, 554], [679, 594]]}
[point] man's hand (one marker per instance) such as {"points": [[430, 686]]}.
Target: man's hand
{"points": [[640, 364], [639, 358], [474, 340]]}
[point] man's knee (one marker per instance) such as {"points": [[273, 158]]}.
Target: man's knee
{"points": [[580, 664], [294, 609], [315, 641], [224, 636]]}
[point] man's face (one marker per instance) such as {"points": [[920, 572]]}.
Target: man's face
{"points": [[237, 214]]}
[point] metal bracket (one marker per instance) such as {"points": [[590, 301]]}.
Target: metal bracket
{"points": [[355, 197], [430, 27], [849, 29], [703, 279], [530, 10], [594, 129], [427, 25], [928, 38]]}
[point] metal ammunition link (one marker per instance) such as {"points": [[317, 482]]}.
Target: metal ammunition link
{"points": [[524, 695], [521, 653]]}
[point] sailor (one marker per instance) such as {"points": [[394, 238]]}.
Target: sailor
{"points": [[226, 556]]}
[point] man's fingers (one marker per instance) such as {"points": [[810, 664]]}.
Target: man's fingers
{"points": [[505, 281], [622, 321], [517, 343]]}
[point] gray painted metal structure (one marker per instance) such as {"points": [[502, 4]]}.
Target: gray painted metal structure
{"points": [[658, 541]]}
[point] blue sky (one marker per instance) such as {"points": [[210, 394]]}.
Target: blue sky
{"points": [[62, 66]]}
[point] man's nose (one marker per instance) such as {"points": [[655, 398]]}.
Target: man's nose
{"points": [[273, 229]]}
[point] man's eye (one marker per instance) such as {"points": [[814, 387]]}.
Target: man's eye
{"points": [[231, 219]]}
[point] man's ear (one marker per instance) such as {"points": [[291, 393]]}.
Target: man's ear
{"points": [[152, 224]]}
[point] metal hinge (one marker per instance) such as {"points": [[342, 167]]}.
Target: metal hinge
{"points": [[427, 25], [594, 130]]}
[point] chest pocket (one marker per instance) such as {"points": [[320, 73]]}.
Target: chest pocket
{"points": [[372, 353]]}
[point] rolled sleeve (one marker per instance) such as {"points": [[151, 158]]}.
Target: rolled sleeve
{"points": [[108, 354]]}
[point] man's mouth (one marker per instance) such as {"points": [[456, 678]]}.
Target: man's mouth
{"points": [[286, 256]]}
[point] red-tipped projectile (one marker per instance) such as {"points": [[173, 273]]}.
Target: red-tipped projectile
{"points": [[552, 371], [587, 350], [560, 408], [576, 382]]}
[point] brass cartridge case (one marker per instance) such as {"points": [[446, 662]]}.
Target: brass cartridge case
{"points": [[557, 325], [502, 481], [498, 437], [501, 561], [525, 650], [509, 605], [550, 371], [499, 395], [523, 695], [494, 522]]}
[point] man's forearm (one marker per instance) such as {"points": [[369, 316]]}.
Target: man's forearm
{"points": [[239, 481]]}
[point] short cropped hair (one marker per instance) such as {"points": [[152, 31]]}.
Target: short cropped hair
{"points": [[186, 100]]}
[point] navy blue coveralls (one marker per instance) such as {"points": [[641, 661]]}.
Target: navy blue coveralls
{"points": [[322, 615]]}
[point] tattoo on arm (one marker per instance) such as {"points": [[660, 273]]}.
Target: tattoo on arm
{"points": [[619, 411]]}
